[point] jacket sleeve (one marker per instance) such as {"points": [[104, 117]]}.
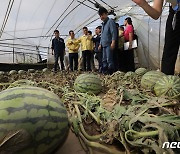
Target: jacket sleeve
{"points": [[78, 40], [113, 30], [77, 47], [64, 46], [52, 46]]}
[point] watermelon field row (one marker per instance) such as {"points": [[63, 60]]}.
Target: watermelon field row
{"points": [[134, 112]]}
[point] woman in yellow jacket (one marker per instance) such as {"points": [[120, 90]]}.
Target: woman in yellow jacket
{"points": [[73, 45]]}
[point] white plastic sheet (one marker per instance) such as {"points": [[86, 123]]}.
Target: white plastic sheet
{"points": [[30, 26]]}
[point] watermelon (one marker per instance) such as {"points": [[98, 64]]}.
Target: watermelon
{"points": [[13, 72], [117, 75], [31, 70], [168, 86], [32, 121], [21, 72], [88, 83], [23, 82], [45, 70], [2, 73], [141, 71], [129, 75], [149, 79]]}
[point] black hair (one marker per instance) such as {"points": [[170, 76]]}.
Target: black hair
{"points": [[89, 32], [129, 20], [56, 31], [117, 24], [99, 27], [85, 28], [102, 10], [71, 31]]}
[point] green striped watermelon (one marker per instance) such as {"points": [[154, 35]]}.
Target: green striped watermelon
{"points": [[38, 116], [23, 82], [141, 71], [168, 86], [2, 73], [31, 70], [88, 83], [129, 75], [13, 72], [149, 79], [21, 72], [117, 75]]}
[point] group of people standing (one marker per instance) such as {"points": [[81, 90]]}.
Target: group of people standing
{"points": [[106, 46]]}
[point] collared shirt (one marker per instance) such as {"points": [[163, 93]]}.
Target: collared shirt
{"points": [[58, 45], [72, 45], [109, 32], [129, 29], [86, 42]]}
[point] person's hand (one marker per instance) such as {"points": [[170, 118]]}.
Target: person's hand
{"points": [[139, 2], [130, 47], [113, 45], [99, 48], [70, 43]]}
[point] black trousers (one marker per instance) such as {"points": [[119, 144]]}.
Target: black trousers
{"points": [[58, 56], [116, 59], [129, 64], [73, 61], [121, 60], [86, 60], [99, 56], [172, 43]]}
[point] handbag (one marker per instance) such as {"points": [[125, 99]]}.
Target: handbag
{"points": [[134, 45]]}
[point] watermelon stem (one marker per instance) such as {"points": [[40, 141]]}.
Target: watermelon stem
{"points": [[92, 138], [92, 114], [99, 146]]}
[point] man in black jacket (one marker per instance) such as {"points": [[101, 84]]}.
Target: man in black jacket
{"points": [[58, 50], [98, 53]]}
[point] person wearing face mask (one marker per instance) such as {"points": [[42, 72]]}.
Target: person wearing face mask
{"points": [[172, 36]]}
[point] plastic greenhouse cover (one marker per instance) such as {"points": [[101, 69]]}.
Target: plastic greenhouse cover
{"points": [[27, 26]]}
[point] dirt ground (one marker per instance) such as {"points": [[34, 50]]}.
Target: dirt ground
{"points": [[72, 146]]}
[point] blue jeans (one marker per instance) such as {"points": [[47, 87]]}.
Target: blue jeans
{"points": [[107, 60]]}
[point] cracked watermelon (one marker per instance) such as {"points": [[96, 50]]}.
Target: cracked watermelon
{"points": [[149, 79]]}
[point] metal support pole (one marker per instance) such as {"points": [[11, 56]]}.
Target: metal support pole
{"points": [[13, 55], [159, 50]]}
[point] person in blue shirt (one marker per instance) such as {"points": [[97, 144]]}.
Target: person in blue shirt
{"points": [[172, 37], [58, 50], [108, 41]]}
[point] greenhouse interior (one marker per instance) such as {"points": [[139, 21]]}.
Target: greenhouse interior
{"points": [[68, 85]]}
